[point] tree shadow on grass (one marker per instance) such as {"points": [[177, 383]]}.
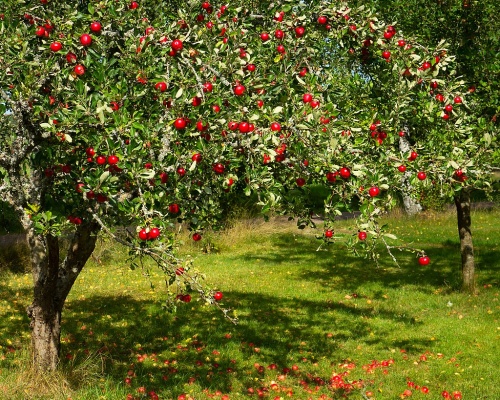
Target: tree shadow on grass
{"points": [[198, 344], [335, 268]]}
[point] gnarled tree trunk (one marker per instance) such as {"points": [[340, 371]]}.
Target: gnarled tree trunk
{"points": [[52, 281], [462, 202]]}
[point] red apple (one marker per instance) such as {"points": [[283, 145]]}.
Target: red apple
{"points": [[143, 234], [345, 172], [276, 127], [331, 177], [322, 20], [218, 296], [113, 160], [328, 233], [196, 237], [239, 90], [177, 45], [40, 31], [208, 87], [299, 31], [374, 191], [181, 171], [421, 175], [161, 86], [362, 235], [55, 46], [154, 233], [218, 168], [180, 123], [79, 69], [86, 40], [424, 260], [71, 58], [163, 177], [244, 127], [96, 27]]}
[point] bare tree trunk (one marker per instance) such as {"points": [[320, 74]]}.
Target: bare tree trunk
{"points": [[45, 314], [411, 205], [462, 202], [52, 281]]}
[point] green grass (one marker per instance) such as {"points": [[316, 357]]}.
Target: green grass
{"points": [[323, 311]]}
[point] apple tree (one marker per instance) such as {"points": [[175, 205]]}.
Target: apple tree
{"points": [[140, 116], [470, 28]]}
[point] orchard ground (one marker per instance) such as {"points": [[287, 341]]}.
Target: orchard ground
{"points": [[313, 324]]}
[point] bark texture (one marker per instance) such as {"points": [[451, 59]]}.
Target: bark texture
{"points": [[462, 202], [52, 281], [410, 204]]}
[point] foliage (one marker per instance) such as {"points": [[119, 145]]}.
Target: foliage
{"points": [[74, 115], [471, 29]]}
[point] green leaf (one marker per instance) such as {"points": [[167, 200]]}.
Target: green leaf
{"points": [[104, 176]]}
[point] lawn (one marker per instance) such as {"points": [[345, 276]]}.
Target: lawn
{"points": [[312, 324]]}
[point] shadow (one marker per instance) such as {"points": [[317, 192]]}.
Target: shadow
{"points": [[166, 352], [336, 269], [14, 254]]}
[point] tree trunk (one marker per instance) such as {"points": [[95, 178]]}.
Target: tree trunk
{"points": [[45, 336], [52, 281], [410, 204], [462, 202]]}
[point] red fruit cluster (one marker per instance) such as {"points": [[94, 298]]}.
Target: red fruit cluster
{"points": [[186, 298], [331, 177], [377, 133], [75, 220], [151, 234], [374, 365], [390, 32], [460, 176]]}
